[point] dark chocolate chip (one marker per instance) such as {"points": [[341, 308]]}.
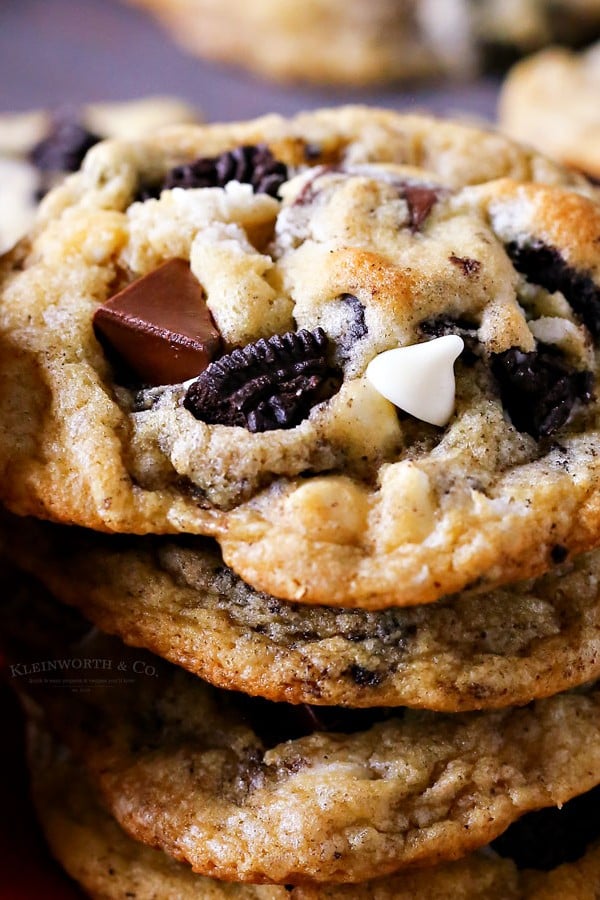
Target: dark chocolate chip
{"points": [[469, 266], [271, 384], [160, 326], [550, 837], [253, 165], [559, 554], [539, 390], [545, 266]]}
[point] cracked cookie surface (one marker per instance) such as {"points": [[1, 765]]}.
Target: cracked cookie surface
{"points": [[110, 865], [389, 230], [178, 599], [217, 781]]}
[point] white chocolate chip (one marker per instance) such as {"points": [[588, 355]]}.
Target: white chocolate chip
{"points": [[419, 379]]}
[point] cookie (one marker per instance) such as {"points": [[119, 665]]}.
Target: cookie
{"points": [[250, 791], [37, 149], [551, 102], [109, 864], [177, 598], [328, 492], [329, 41]]}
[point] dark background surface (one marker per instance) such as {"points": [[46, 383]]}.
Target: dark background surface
{"points": [[56, 52]]}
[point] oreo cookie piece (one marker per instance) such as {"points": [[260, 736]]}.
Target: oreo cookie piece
{"points": [[273, 383], [248, 164]]}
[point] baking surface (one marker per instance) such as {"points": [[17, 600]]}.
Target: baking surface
{"points": [[66, 52]]}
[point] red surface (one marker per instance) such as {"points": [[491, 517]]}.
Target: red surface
{"points": [[27, 871]]}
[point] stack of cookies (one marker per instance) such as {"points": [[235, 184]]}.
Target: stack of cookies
{"points": [[311, 409]]}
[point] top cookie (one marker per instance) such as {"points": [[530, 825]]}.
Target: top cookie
{"points": [[390, 231]]}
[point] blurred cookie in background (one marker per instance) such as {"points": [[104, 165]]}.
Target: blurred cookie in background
{"points": [[552, 101], [357, 43], [38, 148]]}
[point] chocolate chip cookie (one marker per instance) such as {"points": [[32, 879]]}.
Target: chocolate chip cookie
{"points": [[177, 598], [38, 149], [109, 864], [348, 41], [303, 258], [551, 102], [252, 791]]}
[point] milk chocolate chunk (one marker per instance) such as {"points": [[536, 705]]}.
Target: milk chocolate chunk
{"points": [[160, 326], [420, 200]]}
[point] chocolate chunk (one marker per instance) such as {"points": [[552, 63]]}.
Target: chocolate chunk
{"points": [[545, 266], [539, 390], [468, 266], [271, 384], [550, 837], [160, 326], [253, 165], [420, 200], [62, 150]]}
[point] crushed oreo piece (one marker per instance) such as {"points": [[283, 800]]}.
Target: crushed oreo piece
{"points": [[548, 838], [253, 165], [539, 390], [365, 677], [352, 326], [357, 327], [270, 384], [62, 150], [545, 266], [443, 325]]}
